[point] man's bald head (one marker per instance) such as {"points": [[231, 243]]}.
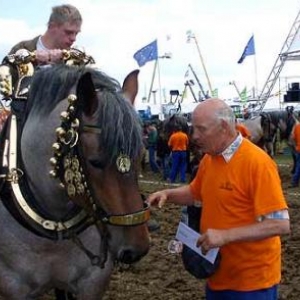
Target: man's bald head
{"points": [[215, 109], [213, 125]]}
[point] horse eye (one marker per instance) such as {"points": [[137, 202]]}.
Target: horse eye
{"points": [[96, 163]]}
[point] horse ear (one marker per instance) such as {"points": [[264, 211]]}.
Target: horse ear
{"points": [[86, 94], [130, 86]]}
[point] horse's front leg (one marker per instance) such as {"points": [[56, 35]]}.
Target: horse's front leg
{"points": [[12, 287]]}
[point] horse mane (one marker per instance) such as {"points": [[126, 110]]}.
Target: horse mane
{"points": [[119, 123], [287, 118], [277, 115]]}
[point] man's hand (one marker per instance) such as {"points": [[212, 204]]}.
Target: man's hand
{"points": [[212, 238], [158, 198], [49, 56]]}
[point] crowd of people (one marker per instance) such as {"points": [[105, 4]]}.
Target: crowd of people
{"points": [[174, 154], [168, 154]]}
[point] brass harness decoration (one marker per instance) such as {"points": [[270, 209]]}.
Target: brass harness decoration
{"points": [[67, 167], [65, 163]]}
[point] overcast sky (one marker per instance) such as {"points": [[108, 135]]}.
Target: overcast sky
{"points": [[113, 30]]}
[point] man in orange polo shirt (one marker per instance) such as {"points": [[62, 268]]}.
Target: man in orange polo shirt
{"points": [[243, 207], [178, 143]]}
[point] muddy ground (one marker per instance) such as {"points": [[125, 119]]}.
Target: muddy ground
{"points": [[161, 276]]}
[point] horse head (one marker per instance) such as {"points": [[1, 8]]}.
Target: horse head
{"points": [[91, 134], [174, 122]]}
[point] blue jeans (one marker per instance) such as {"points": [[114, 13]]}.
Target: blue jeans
{"points": [[296, 175], [152, 159], [165, 166], [178, 165], [264, 294]]}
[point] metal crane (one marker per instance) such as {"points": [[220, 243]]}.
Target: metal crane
{"points": [[236, 88], [189, 83], [279, 63], [198, 81]]}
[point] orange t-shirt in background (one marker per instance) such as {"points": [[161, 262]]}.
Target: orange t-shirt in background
{"points": [[235, 194], [243, 130], [178, 141], [296, 136]]}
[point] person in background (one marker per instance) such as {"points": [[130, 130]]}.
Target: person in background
{"points": [[295, 135], [290, 122], [178, 143], [163, 154], [244, 211], [152, 144], [245, 132]]}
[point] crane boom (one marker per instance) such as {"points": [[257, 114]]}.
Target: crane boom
{"points": [[198, 81], [236, 88]]}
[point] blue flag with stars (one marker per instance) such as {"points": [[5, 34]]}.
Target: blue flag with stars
{"points": [[249, 50], [146, 54]]}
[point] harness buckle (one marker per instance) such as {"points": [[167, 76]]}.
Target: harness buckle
{"points": [[14, 175]]}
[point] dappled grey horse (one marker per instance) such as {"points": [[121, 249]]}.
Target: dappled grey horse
{"points": [[263, 132], [70, 203]]}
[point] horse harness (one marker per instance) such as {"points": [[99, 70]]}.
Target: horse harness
{"points": [[69, 168]]}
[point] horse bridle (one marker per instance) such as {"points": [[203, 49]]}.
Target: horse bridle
{"points": [[68, 167], [70, 170]]}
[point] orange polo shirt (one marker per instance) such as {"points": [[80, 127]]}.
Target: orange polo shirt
{"points": [[178, 141], [296, 136], [234, 194]]}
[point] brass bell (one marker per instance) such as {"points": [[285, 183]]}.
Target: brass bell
{"points": [[56, 147], [53, 161], [75, 123], [72, 98], [60, 132], [64, 116], [71, 108], [53, 174]]}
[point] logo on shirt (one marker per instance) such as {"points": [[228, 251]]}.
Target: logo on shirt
{"points": [[226, 186]]}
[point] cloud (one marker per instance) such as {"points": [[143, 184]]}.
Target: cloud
{"points": [[114, 30]]}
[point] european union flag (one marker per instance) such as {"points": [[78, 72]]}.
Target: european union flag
{"points": [[146, 54], [249, 50]]}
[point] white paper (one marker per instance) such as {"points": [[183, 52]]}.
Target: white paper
{"points": [[189, 237]]}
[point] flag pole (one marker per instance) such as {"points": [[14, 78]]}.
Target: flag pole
{"points": [[191, 35], [152, 81], [255, 77], [203, 65], [159, 82]]}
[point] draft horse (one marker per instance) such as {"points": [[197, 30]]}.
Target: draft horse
{"points": [[284, 121], [263, 132], [70, 205]]}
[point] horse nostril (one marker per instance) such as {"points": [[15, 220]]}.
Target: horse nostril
{"points": [[129, 256]]}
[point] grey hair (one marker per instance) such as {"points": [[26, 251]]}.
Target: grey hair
{"points": [[65, 13], [226, 113]]}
